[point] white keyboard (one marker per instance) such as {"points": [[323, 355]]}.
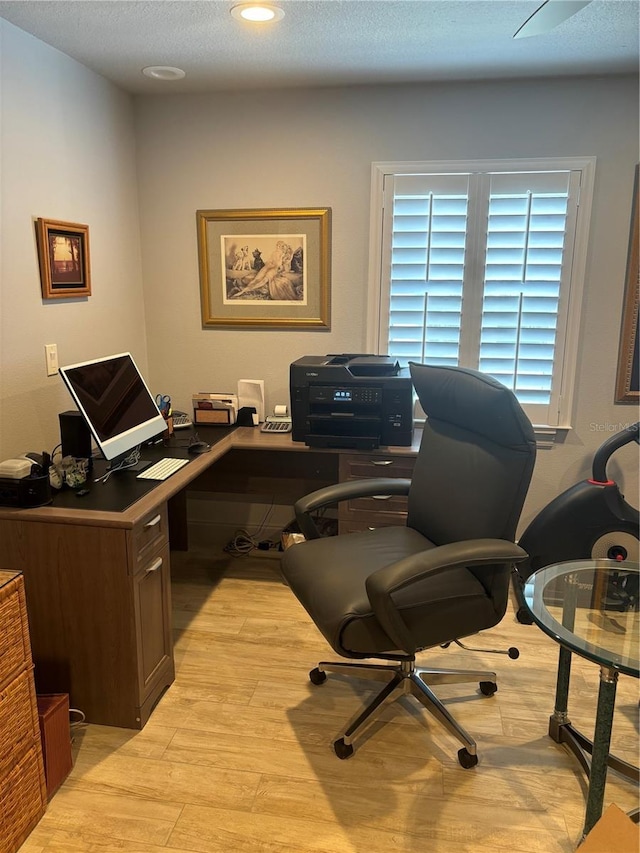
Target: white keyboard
{"points": [[162, 469]]}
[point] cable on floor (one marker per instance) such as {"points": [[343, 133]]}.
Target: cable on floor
{"points": [[244, 542]]}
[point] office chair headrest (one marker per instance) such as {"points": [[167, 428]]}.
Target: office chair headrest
{"points": [[472, 401]]}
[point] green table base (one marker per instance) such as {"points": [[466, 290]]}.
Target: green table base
{"points": [[561, 731]]}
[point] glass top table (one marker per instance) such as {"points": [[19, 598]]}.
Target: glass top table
{"points": [[590, 608]]}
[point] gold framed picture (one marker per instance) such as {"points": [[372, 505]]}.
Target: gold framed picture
{"points": [[265, 268], [63, 254]]}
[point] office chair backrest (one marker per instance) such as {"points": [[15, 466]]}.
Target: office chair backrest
{"points": [[476, 458]]}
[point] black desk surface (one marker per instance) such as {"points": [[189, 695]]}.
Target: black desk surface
{"points": [[122, 488]]}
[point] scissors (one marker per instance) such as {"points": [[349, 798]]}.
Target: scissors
{"points": [[163, 402]]}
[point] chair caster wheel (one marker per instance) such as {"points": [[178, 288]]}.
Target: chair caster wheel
{"points": [[342, 749], [488, 688], [466, 759], [317, 676]]}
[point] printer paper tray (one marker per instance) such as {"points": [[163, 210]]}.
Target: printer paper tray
{"points": [[354, 442]]}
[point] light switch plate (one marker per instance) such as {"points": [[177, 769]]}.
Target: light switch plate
{"points": [[51, 356]]}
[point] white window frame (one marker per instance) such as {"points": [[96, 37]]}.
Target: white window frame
{"points": [[568, 329]]}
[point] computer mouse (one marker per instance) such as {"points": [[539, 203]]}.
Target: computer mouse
{"points": [[199, 447]]}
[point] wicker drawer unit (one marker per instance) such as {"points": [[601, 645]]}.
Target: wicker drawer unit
{"points": [[23, 795], [379, 510]]}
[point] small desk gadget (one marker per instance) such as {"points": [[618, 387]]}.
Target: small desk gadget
{"points": [[590, 607], [274, 424], [181, 420]]}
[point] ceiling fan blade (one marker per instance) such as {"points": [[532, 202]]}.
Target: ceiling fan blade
{"points": [[548, 16]]}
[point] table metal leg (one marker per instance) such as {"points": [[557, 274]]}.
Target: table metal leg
{"points": [[562, 686], [601, 743], [570, 600], [593, 755]]}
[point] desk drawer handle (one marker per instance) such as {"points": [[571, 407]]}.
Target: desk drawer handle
{"points": [[155, 566], [155, 520], [382, 462], [381, 497]]}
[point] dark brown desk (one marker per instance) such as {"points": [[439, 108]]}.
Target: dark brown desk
{"points": [[98, 581]]}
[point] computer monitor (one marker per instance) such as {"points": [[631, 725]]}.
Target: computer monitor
{"points": [[114, 400]]}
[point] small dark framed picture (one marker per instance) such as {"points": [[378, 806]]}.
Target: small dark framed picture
{"points": [[63, 253]]}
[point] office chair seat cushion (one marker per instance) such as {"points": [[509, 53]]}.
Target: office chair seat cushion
{"points": [[450, 604]]}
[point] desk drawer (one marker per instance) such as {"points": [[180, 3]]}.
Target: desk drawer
{"points": [[359, 466], [378, 504], [23, 799], [18, 720], [378, 510], [353, 525], [150, 534], [16, 648], [152, 607]]}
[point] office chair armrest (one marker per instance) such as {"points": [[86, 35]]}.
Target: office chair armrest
{"points": [[384, 582], [343, 492]]}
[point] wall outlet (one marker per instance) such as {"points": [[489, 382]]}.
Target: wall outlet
{"points": [[51, 356]]}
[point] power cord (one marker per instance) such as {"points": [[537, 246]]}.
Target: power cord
{"points": [[81, 716], [75, 724], [129, 461], [243, 542]]}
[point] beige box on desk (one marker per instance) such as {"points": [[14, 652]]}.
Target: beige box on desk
{"points": [[215, 408]]}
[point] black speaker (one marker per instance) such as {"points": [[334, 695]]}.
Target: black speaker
{"points": [[75, 435]]}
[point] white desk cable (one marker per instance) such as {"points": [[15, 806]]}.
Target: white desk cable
{"points": [[130, 461], [74, 723], [243, 542]]}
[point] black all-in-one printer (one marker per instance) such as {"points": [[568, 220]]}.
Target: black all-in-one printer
{"points": [[349, 400]]}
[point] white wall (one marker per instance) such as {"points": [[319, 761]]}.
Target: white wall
{"points": [[67, 153], [315, 148]]}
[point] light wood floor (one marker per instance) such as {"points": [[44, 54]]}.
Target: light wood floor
{"points": [[237, 756]]}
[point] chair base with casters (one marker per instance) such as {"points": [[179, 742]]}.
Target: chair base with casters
{"points": [[407, 679]]}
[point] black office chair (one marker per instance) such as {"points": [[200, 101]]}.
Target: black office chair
{"points": [[391, 592]]}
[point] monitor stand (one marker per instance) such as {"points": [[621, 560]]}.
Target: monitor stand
{"points": [[119, 463]]}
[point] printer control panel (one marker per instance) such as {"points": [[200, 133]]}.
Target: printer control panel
{"points": [[359, 396]]}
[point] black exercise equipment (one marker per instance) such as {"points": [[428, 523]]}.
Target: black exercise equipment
{"points": [[589, 520]]}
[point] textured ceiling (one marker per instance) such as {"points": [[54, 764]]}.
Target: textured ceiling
{"points": [[328, 42]]}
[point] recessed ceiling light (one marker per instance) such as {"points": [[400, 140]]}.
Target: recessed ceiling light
{"points": [[164, 72], [257, 12]]}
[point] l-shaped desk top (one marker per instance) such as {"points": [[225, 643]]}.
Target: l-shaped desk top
{"points": [[139, 497], [98, 582]]}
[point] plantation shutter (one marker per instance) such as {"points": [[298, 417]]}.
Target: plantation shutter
{"points": [[528, 249], [479, 266], [427, 267]]}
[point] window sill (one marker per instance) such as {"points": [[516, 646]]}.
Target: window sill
{"points": [[546, 436]]}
